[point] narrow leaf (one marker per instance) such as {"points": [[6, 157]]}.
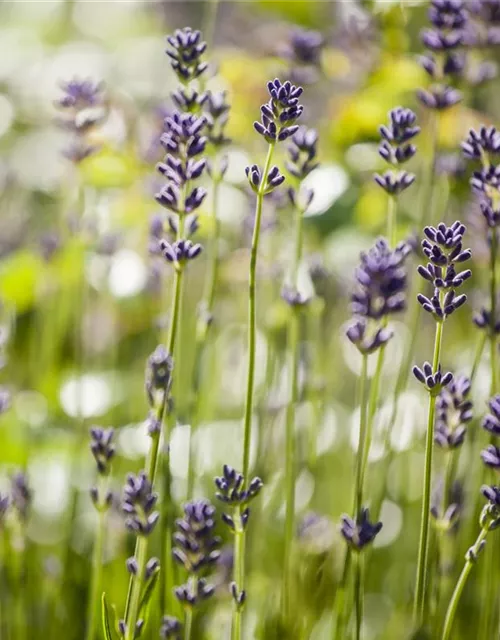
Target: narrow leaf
{"points": [[109, 634], [148, 592]]}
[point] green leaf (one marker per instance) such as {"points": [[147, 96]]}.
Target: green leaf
{"points": [[109, 633], [148, 592]]}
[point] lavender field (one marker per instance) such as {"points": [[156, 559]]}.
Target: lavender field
{"points": [[249, 320]]}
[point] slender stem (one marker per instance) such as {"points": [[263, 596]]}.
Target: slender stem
{"points": [[391, 221], [358, 487], [358, 494], [442, 536], [188, 623], [290, 455], [481, 343], [290, 446], [340, 618], [210, 21], [375, 383], [252, 323], [358, 593], [141, 545], [96, 581], [423, 549], [141, 555], [202, 333], [493, 305], [239, 572], [488, 581], [455, 598], [166, 578]]}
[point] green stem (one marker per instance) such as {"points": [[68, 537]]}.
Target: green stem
{"points": [[239, 572], [493, 305], [375, 383], [358, 593], [202, 333], [188, 623], [391, 222], [488, 581], [358, 487], [96, 580], [290, 455], [455, 598], [141, 556], [252, 321], [481, 343], [210, 21], [340, 618], [423, 549], [166, 578]]}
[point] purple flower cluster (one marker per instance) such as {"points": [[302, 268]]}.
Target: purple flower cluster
{"points": [[454, 411], [84, 106], [279, 114], [139, 502], [359, 532], [396, 149], [184, 140], [445, 61], [443, 246], [303, 51], [491, 422], [196, 550], [381, 287], [231, 491]]}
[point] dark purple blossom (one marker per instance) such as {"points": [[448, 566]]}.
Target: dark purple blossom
{"points": [[433, 382], [103, 448], [454, 411], [217, 113], [255, 179], [491, 457], [180, 250], [483, 320], [439, 97], [170, 629], [84, 107], [480, 144], [445, 60], [185, 50], [360, 532], [138, 504], [491, 421], [231, 491], [196, 545], [381, 279], [443, 246], [278, 116], [302, 152], [304, 47], [394, 183], [197, 550]]}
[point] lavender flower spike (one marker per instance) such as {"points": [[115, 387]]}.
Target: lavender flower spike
{"points": [[138, 504]]}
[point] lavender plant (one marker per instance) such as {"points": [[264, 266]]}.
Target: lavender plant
{"points": [[302, 153], [79, 310], [197, 552], [443, 246], [103, 450], [488, 521], [232, 491]]}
